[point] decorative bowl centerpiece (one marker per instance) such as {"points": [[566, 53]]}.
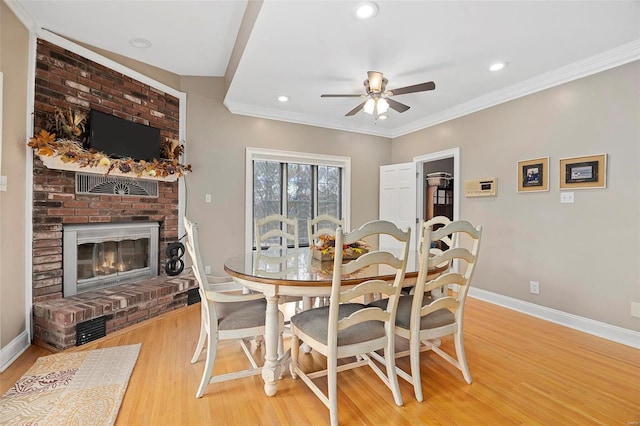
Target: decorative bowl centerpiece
{"points": [[326, 250]]}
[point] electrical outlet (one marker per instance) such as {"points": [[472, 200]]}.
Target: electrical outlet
{"points": [[3, 183], [207, 198], [207, 270], [635, 309], [534, 287]]}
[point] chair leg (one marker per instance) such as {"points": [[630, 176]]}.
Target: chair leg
{"points": [[212, 347], [462, 358], [392, 375], [414, 355], [295, 352], [200, 344], [332, 380]]}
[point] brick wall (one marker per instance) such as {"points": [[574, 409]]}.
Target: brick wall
{"points": [[65, 79]]}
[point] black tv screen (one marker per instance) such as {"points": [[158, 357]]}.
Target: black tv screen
{"points": [[120, 138]]}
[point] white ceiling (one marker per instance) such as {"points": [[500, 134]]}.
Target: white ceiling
{"points": [[303, 48]]}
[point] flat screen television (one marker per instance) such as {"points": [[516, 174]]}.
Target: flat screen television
{"points": [[120, 138]]}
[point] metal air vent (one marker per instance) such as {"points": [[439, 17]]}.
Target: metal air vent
{"points": [[87, 183], [91, 330]]}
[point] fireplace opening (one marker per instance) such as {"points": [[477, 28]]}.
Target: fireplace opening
{"points": [[112, 257], [99, 256]]}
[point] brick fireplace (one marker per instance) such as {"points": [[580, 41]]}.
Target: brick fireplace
{"points": [[67, 80]]}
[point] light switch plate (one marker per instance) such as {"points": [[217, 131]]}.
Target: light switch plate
{"points": [[566, 197], [3, 183]]}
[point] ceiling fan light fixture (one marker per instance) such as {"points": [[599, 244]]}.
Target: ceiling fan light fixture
{"points": [[365, 10], [382, 117], [382, 106], [369, 106], [374, 81]]}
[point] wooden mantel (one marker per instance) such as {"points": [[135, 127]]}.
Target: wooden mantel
{"points": [[55, 162]]}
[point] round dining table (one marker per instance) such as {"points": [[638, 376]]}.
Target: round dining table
{"points": [[295, 272]]}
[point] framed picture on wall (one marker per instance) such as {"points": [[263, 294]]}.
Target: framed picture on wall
{"points": [[533, 175], [583, 172]]}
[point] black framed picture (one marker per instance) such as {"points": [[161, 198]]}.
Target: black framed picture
{"points": [[533, 175], [583, 172], [586, 171]]}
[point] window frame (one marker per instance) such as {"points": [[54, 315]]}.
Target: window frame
{"points": [[279, 156]]}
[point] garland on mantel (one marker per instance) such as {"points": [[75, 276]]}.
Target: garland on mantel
{"points": [[45, 144], [69, 150]]}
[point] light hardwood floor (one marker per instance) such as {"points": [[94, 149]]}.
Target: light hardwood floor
{"points": [[525, 371]]}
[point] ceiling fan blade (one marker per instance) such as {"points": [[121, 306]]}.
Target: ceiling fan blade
{"points": [[397, 105], [422, 87], [341, 96], [355, 110]]}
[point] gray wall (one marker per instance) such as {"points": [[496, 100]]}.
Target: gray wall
{"points": [[585, 255], [14, 39], [216, 149]]}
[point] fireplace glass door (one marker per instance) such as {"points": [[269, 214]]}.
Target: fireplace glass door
{"points": [[112, 258], [98, 256]]}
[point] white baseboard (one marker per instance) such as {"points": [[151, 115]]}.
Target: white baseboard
{"points": [[596, 328], [13, 350]]}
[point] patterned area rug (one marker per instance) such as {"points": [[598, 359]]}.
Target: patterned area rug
{"points": [[79, 388]]}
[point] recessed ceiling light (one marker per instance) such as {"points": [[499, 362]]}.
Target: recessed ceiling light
{"points": [[365, 10], [140, 43], [382, 117], [497, 66], [283, 98]]}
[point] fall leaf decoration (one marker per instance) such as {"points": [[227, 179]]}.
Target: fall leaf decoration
{"points": [[327, 245], [70, 151], [67, 123], [43, 143], [171, 149]]}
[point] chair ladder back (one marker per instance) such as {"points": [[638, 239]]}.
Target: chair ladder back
{"points": [[431, 223], [209, 314], [370, 259], [277, 226], [317, 227]]}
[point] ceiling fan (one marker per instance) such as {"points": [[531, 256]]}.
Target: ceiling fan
{"points": [[378, 98]]}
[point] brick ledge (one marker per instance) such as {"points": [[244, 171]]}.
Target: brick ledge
{"points": [[123, 305]]}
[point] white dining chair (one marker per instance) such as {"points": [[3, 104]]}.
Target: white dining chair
{"points": [[434, 223], [225, 315], [423, 319], [347, 328], [323, 224], [276, 232]]}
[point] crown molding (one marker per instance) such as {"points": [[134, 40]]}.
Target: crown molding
{"points": [[620, 55], [615, 57], [296, 118]]}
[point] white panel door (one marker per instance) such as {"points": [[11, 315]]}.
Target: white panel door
{"points": [[398, 199]]}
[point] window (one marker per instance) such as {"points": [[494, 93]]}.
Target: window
{"points": [[296, 185]]}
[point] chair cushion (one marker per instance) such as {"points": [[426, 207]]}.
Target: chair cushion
{"points": [[315, 323], [435, 319], [242, 314]]}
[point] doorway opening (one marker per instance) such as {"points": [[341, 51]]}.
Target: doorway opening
{"points": [[438, 184]]}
